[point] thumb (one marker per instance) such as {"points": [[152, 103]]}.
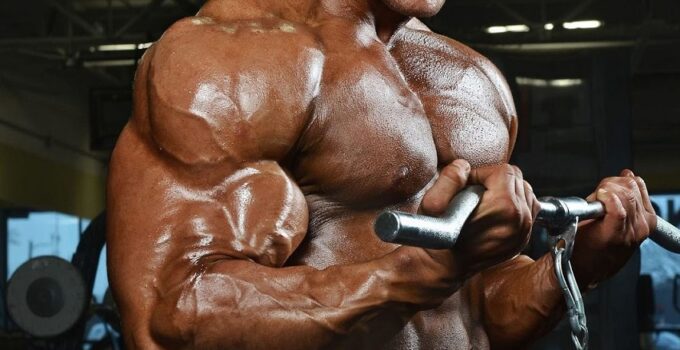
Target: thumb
{"points": [[492, 176], [451, 180]]}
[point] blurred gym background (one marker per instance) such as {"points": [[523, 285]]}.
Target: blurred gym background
{"points": [[597, 89]]}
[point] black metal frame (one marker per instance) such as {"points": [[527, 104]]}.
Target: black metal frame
{"points": [[3, 269]]}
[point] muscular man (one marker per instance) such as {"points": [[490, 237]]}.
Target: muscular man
{"points": [[266, 137]]}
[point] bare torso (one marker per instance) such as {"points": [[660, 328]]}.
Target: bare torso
{"points": [[392, 115], [371, 124]]}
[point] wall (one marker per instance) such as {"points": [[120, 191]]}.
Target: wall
{"points": [[45, 162]]}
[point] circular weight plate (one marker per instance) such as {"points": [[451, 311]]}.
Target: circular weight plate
{"points": [[46, 296]]}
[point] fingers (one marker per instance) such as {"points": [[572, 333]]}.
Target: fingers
{"points": [[506, 179], [635, 221], [647, 222], [608, 243], [642, 187], [488, 176], [496, 177], [627, 180], [451, 180], [646, 201], [616, 212], [626, 189], [534, 204], [509, 199], [525, 199], [519, 185], [500, 227], [592, 197]]}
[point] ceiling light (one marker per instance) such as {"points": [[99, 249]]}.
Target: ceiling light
{"points": [[117, 47], [110, 63], [517, 28], [496, 30], [558, 83], [513, 28], [143, 46], [531, 81], [588, 24], [549, 26], [565, 82], [121, 47]]}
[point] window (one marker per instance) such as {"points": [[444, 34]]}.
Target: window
{"points": [[49, 233]]}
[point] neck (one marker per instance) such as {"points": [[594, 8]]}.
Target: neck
{"points": [[385, 20], [293, 10]]}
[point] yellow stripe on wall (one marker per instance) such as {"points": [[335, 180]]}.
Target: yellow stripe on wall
{"points": [[31, 181]]}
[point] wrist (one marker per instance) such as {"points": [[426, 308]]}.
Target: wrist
{"points": [[418, 279], [584, 269]]}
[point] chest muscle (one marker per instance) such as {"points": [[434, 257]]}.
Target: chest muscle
{"points": [[370, 143]]}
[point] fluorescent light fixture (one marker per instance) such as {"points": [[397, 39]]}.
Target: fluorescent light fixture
{"points": [[517, 28], [110, 63], [565, 82], [558, 83], [549, 26], [116, 47], [587, 24], [513, 28], [496, 30], [143, 46], [121, 47], [531, 81]]}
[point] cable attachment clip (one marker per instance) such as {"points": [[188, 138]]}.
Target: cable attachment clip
{"points": [[562, 241]]}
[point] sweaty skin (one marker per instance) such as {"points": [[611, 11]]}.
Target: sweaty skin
{"points": [[266, 137]]}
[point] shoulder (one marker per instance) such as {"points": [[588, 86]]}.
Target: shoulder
{"points": [[269, 51], [439, 62], [225, 85]]}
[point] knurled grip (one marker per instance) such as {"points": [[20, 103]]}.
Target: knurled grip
{"points": [[666, 235]]}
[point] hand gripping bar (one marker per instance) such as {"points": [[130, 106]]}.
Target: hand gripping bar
{"points": [[442, 232]]}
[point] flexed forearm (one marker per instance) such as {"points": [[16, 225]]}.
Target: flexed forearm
{"points": [[520, 301], [242, 305]]}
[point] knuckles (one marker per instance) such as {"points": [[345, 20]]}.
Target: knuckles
{"points": [[621, 185], [630, 183], [509, 210], [619, 214], [455, 173], [508, 170], [514, 212], [517, 171]]}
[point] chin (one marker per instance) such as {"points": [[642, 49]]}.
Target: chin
{"points": [[415, 8]]}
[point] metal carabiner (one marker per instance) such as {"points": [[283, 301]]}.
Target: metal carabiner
{"points": [[562, 249]]}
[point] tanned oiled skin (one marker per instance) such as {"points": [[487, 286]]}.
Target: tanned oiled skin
{"points": [[266, 137]]}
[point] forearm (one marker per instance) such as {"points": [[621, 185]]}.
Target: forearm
{"points": [[238, 304], [521, 301]]}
